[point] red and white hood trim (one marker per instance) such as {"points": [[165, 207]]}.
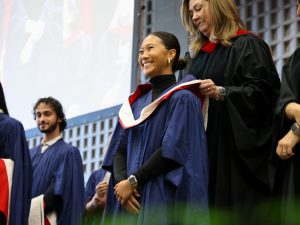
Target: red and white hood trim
{"points": [[6, 171], [126, 117], [37, 215]]}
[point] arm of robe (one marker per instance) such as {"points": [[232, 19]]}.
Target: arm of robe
{"points": [[290, 91], [69, 184], [252, 88], [184, 142], [118, 138]]}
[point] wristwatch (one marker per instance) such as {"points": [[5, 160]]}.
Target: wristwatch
{"points": [[295, 129], [221, 93], [133, 181]]}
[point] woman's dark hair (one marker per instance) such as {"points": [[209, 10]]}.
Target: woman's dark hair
{"points": [[56, 106], [171, 42], [2, 101]]}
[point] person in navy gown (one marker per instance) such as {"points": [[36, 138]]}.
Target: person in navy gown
{"points": [[158, 153], [57, 166], [95, 196], [13, 148]]}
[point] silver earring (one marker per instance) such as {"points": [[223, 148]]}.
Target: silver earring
{"points": [[169, 60]]}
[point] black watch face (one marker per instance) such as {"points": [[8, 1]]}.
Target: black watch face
{"points": [[296, 129]]}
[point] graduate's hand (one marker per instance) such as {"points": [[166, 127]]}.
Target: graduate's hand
{"points": [[208, 87], [123, 190], [101, 188], [132, 205], [285, 145], [98, 202], [100, 195]]}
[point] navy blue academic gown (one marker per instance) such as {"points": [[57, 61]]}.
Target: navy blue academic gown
{"points": [[177, 127], [13, 145], [61, 163]]}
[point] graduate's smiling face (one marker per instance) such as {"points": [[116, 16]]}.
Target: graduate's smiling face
{"points": [[46, 118], [201, 16], [154, 57]]}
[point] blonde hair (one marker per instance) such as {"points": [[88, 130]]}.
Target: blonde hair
{"points": [[225, 19]]}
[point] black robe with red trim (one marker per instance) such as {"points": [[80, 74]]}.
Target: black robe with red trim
{"points": [[239, 129]]}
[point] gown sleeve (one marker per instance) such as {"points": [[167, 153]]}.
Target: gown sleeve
{"points": [[90, 188], [69, 185], [184, 139], [118, 138], [290, 91], [252, 88]]}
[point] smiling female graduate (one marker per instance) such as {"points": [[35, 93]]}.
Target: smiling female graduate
{"points": [[158, 153]]}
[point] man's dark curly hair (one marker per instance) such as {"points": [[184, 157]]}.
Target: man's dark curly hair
{"points": [[56, 106]]}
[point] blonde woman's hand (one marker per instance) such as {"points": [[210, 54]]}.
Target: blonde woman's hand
{"points": [[207, 87]]}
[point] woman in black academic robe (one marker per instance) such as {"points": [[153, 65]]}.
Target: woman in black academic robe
{"points": [[240, 78]]}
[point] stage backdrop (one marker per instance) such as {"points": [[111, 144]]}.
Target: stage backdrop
{"points": [[78, 51]]}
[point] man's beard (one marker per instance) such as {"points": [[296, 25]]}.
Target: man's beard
{"points": [[50, 129]]}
